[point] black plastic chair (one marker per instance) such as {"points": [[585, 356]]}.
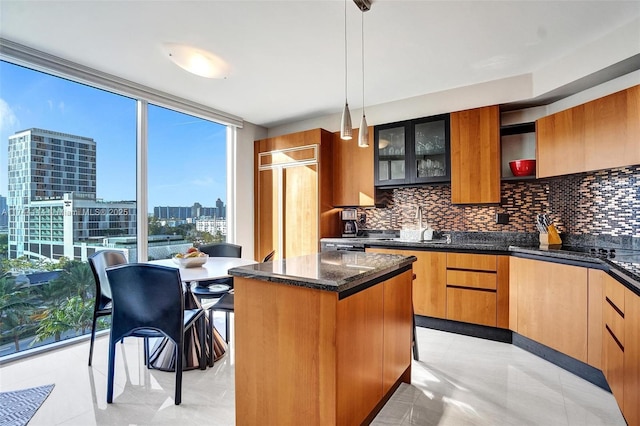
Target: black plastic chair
{"points": [[148, 302], [213, 289], [99, 262], [224, 304]]}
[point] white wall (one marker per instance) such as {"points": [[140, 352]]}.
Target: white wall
{"points": [[240, 204], [614, 47]]}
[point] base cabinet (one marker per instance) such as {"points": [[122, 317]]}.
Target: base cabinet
{"points": [[430, 285], [305, 357], [550, 304]]}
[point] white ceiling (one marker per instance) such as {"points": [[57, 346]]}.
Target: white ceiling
{"points": [[287, 57]]}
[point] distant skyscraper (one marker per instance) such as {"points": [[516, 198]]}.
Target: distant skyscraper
{"points": [[221, 208], [194, 212], [45, 165]]}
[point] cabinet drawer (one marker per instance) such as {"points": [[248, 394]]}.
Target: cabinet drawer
{"points": [[613, 367], [614, 291], [476, 262], [614, 321], [485, 280], [474, 306]]}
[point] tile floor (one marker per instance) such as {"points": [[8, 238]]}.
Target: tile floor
{"points": [[459, 380]]}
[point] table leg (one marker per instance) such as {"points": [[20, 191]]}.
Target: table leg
{"points": [[162, 356]]}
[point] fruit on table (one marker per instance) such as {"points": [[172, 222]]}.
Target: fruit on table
{"points": [[191, 252]]}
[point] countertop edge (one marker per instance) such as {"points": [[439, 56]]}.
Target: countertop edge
{"points": [[344, 286]]}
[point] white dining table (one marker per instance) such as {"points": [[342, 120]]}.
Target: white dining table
{"points": [[161, 356], [214, 268]]}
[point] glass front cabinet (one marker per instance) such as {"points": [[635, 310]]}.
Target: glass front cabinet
{"points": [[412, 152]]}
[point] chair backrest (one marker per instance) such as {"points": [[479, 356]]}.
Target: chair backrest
{"points": [[269, 256], [99, 262], [222, 250], [146, 297]]}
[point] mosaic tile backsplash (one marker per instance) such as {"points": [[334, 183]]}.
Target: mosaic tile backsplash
{"points": [[605, 202]]}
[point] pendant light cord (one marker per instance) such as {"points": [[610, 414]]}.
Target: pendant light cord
{"points": [[345, 51], [362, 36]]}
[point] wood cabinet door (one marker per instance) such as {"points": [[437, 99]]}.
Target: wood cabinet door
{"points": [[398, 323], [560, 143], [595, 321], [631, 393], [352, 171], [613, 365], [551, 304], [267, 223], [473, 306], [612, 130], [475, 156], [430, 285], [300, 219]]}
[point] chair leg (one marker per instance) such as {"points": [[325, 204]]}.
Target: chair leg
{"points": [[212, 354], [111, 370], [414, 341], [227, 327], [93, 337], [179, 354], [146, 351], [203, 342]]}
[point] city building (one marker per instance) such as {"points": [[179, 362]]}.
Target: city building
{"points": [[193, 212], [212, 226], [52, 208]]}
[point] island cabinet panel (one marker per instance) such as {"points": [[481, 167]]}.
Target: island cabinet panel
{"points": [[631, 392], [430, 285], [475, 156], [551, 304], [600, 134], [398, 323], [304, 356], [353, 171], [359, 343]]}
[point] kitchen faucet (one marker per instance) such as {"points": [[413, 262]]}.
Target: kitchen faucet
{"points": [[419, 216]]}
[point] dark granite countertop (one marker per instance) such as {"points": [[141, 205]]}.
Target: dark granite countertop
{"points": [[626, 269], [337, 271]]}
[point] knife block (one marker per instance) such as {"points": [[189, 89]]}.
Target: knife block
{"points": [[550, 239]]}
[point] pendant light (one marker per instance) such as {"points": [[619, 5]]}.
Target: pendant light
{"points": [[345, 124], [363, 135]]}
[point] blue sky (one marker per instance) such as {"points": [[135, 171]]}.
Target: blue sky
{"points": [[187, 155]]}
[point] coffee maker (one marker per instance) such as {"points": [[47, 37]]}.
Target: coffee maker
{"points": [[349, 223]]}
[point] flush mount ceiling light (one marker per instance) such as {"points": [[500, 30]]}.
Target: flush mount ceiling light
{"points": [[197, 61]]}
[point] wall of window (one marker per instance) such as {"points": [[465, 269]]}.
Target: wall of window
{"points": [[71, 177]]}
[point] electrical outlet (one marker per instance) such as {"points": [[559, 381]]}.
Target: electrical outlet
{"points": [[502, 218]]}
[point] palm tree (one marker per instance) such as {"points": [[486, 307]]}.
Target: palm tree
{"points": [[74, 314], [16, 306]]}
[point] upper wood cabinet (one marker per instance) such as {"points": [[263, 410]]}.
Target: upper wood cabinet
{"points": [[475, 156], [352, 172], [601, 134], [293, 193]]}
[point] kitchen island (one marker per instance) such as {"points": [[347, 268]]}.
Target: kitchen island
{"points": [[321, 339]]}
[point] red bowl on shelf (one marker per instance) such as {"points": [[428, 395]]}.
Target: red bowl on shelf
{"points": [[523, 167]]}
